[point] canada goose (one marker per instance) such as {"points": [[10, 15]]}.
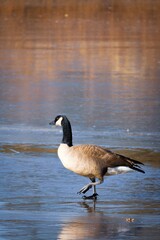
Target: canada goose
{"points": [[90, 160]]}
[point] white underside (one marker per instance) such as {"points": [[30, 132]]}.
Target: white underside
{"points": [[118, 170]]}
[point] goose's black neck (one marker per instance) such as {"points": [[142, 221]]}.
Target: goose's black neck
{"points": [[67, 132]]}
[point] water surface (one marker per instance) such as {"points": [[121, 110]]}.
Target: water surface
{"points": [[38, 199]]}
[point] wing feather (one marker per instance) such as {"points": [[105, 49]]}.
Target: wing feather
{"points": [[106, 158]]}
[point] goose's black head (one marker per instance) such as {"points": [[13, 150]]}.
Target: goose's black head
{"points": [[60, 120]]}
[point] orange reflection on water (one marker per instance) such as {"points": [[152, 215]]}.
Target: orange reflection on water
{"points": [[104, 41]]}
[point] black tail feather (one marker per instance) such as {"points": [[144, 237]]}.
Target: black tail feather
{"points": [[135, 161], [137, 169], [133, 164]]}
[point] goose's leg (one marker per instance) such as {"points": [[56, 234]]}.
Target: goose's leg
{"points": [[94, 187], [90, 185], [94, 196]]}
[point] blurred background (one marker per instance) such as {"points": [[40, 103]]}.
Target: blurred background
{"points": [[97, 61]]}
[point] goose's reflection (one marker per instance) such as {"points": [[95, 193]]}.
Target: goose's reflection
{"points": [[95, 225]]}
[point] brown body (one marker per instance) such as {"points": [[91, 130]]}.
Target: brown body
{"points": [[94, 162]]}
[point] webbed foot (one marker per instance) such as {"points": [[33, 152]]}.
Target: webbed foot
{"points": [[94, 197]]}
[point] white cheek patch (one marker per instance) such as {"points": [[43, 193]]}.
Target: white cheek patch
{"points": [[59, 122]]}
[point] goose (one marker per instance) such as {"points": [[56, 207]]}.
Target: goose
{"points": [[89, 160]]}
